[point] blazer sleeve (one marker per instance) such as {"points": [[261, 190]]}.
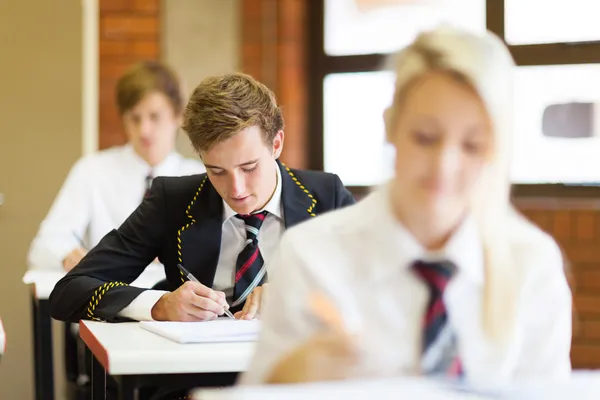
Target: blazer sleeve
{"points": [[343, 197], [98, 287]]}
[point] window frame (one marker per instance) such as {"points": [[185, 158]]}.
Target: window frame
{"points": [[321, 64]]}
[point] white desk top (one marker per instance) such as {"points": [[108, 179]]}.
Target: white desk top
{"points": [[413, 389], [44, 280], [584, 385], [127, 349]]}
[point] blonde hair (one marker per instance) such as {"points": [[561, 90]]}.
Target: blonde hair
{"points": [[484, 63], [221, 106]]}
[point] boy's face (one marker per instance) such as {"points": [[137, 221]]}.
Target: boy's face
{"points": [[243, 169], [151, 127]]}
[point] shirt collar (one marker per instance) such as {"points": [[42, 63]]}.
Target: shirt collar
{"points": [[273, 206], [464, 247], [166, 167]]}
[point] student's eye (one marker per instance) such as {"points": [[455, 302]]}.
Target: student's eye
{"points": [[251, 169], [217, 172], [473, 147], [154, 117], [425, 138]]}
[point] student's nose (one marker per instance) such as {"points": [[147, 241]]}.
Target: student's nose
{"points": [[446, 161], [237, 184], [146, 127]]}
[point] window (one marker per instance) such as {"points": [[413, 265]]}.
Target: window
{"points": [[555, 21], [353, 115], [349, 30], [559, 122], [557, 117]]}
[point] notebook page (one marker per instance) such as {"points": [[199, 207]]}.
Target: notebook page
{"points": [[215, 331]]}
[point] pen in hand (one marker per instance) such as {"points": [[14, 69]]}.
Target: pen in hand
{"points": [[192, 278]]}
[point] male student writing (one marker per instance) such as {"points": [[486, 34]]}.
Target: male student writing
{"points": [[221, 226]]}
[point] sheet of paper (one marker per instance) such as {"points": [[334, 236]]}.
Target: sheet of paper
{"points": [[220, 330]]}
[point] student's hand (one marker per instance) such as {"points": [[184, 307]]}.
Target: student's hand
{"points": [[332, 354], [73, 258], [253, 303], [192, 301], [326, 356]]}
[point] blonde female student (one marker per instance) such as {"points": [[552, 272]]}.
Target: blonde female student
{"points": [[434, 273]]}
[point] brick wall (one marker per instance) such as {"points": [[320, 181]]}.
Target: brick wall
{"points": [[273, 46], [575, 224], [129, 32]]}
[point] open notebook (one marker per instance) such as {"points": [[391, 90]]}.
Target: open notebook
{"points": [[215, 331]]}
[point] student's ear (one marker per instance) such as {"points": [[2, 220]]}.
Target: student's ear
{"points": [[278, 144]]}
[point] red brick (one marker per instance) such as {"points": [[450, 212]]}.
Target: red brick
{"points": [[542, 218], [586, 305], [590, 329], [109, 138], [114, 5], [146, 6], [588, 279], [585, 225], [113, 67], [128, 26], [582, 253], [585, 355], [562, 224], [145, 49]]}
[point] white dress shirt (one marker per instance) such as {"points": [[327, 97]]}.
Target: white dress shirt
{"points": [[359, 257], [233, 240], [100, 192]]}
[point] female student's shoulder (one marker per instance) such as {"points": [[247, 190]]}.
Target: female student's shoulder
{"points": [[534, 249], [335, 224], [545, 303]]}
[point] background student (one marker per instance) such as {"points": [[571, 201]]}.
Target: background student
{"points": [[434, 273], [103, 188]]}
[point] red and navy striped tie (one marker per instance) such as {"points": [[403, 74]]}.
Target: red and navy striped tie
{"points": [[249, 267], [440, 350], [148, 184]]}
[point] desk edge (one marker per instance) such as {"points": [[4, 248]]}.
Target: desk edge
{"points": [[94, 345]]}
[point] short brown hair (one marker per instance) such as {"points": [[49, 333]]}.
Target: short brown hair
{"points": [[221, 106], [145, 78]]}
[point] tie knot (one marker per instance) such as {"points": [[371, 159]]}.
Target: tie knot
{"points": [[253, 223], [435, 274]]}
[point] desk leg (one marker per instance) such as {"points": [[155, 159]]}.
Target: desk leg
{"points": [[98, 380], [42, 350], [128, 388]]}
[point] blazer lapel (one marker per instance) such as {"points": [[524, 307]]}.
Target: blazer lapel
{"points": [[201, 236], [297, 201]]}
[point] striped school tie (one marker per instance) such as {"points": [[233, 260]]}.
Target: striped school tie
{"points": [[249, 267], [149, 179], [440, 351]]}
